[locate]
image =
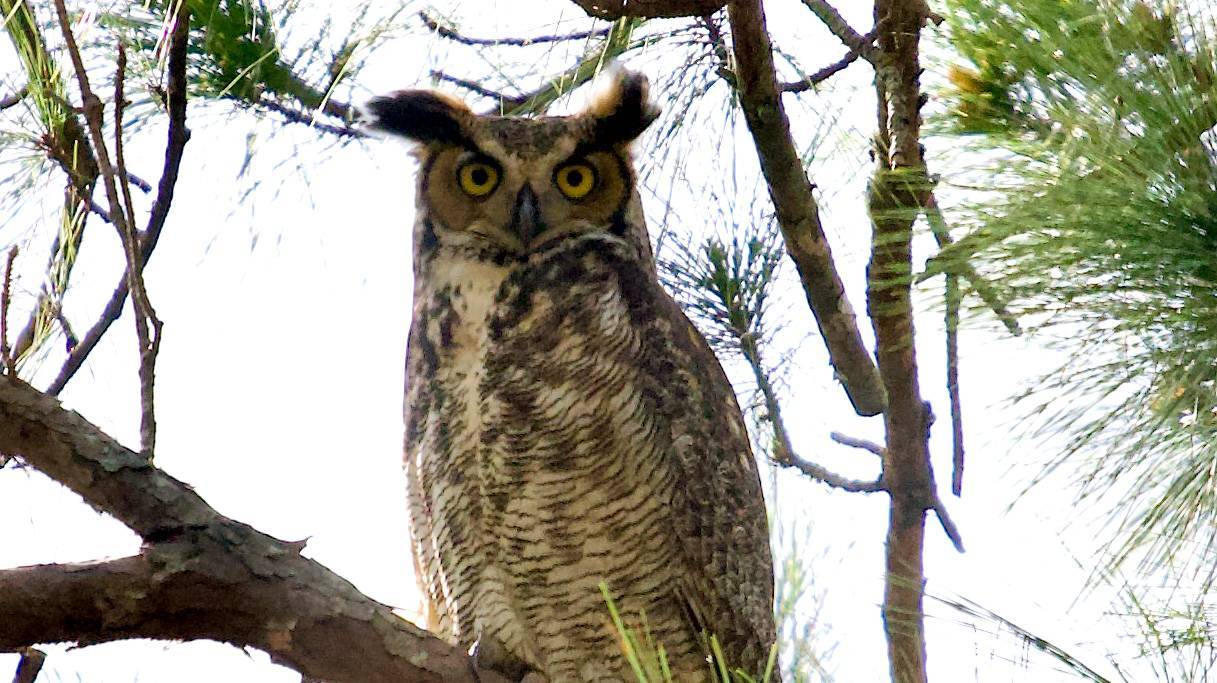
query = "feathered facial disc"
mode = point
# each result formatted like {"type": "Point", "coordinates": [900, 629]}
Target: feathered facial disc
{"type": "Point", "coordinates": [517, 183]}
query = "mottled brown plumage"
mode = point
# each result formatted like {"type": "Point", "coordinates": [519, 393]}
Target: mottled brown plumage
{"type": "Point", "coordinates": [565, 423]}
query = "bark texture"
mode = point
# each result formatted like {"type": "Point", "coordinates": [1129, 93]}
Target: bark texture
{"type": "Point", "coordinates": [797, 211]}
{"type": "Point", "coordinates": [200, 574]}
{"type": "Point", "coordinates": [898, 192]}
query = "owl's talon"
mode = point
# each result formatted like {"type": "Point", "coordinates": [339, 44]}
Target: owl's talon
{"type": "Point", "coordinates": [488, 653]}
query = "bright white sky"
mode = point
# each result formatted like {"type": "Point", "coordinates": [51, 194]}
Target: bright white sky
{"type": "Point", "coordinates": [281, 371]}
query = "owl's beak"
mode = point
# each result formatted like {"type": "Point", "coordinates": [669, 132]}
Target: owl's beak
{"type": "Point", "coordinates": [525, 219]}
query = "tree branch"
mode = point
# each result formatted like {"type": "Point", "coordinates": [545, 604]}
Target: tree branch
{"type": "Point", "coordinates": [648, 9]}
{"type": "Point", "coordinates": [15, 98]}
{"type": "Point", "coordinates": [827, 72]}
{"type": "Point", "coordinates": [66, 143]}
{"type": "Point", "coordinates": [29, 666]}
{"type": "Point", "coordinates": [952, 297]}
{"type": "Point", "coordinates": [898, 191]}
{"type": "Point", "coordinates": [783, 450]}
{"type": "Point", "coordinates": [863, 45]}
{"type": "Point", "coordinates": [175, 146]}
{"type": "Point", "coordinates": [617, 42]}
{"type": "Point", "coordinates": [797, 211]}
{"type": "Point", "coordinates": [452, 34]}
{"type": "Point", "coordinates": [960, 267]}
{"type": "Point", "coordinates": [201, 575]}
{"type": "Point", "coordinates": [6, 357]}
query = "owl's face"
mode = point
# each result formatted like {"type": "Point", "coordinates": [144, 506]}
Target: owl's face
{"type": "Point", "coordinates": [515, 184]}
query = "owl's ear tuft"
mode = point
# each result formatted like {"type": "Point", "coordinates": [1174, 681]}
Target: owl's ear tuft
{"type": "Point", "coordinates": [420, 115]}
{"type": "Point", "coordinates": [622, 111]}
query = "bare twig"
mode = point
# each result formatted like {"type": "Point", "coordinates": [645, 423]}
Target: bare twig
{"type": "Point", "coordinates": [648, 9]}
{"type": "Point", "coordinates": [29, 666]}
{"type": "Point", "coordinates": [455, 36]}
{"type": "Point", "coordinates": [948, 525]}
{"type": "Point", "coordinates": [297, 116]}
{"type": "Point", "coordinates": [783, 450]}
{"type": "Point", "coordinates": [147, 325]}
{"type": "Point", "coordinates": [952, 324]}
{"type": "Point", "coordinates": [827, 72]}
{"type": "Point", "coordinates": [6, 357]}
{"type": "Point", "coordinates": [15, 98]}
{"type": "Point", "coordinates": [138, 182]}
{"type": "Point", "coordinates": [614, 45]}
{"type": "Point", "coordinates": [864, 45]}
{"type": "Point", "coordinates": [175, 146]}
{"type": "Point", "coordinates": [796, 208]}
{"type": "Point", "coordinates": [505, 101]}
{"type": "Point", "coordinates": [861, 444]}
{"type": "Point", "coordinates": [942, 234]}
{"type": "Point", "coordinates": [70, 338]}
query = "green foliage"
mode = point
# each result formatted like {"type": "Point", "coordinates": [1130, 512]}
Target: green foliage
{"type": "Point", "coordinates": [238, 49]}
{"type": "Point", "coordinates": [1102, 222]}
{"type": "Point", "coordinates": [725, 284]}
{"type": "Point", "coordinates": [649, 662]}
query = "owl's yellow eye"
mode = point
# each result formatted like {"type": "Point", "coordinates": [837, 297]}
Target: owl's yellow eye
{"type": "Point", "coordinates": [575, 180]}
{"type": "Point", "coordinates": [478, 178]}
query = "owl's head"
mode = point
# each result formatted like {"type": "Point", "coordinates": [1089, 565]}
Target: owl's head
{"type": "Point", "coordinates": [513, 186]}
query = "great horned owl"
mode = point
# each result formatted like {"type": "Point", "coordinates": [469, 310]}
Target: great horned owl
{"type": "Point", "coordinates": [565, 423]}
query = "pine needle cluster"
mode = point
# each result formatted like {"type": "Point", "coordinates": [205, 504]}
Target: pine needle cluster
{"type": "Point", "coordinates": [1099, 219]}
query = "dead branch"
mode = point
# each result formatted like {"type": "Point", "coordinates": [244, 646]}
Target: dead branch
{"type": "Point", "coordinates": [452, 34]}
{"type": "Point", "coordinates": [948, 525]}
{"type": "Point", "coordinates": [860, 444]}
{"type": "Point", "coordinates": [15, 98]}
{"type": "Point", "coordinates": [797, 211]}
{"type": "Point", "coordinates": [147, 325]}
{"type": "Point", "coordinates": [827, 72]}
{"type": "Point", "coordinates": [783, 450]}
{"type": "Point", "coordinates": [294, 115]}
{"type": "Point", "coordinates": [952, 297]}
{"type": "Point", "coordinates": [504, 100]}
{"type": "Point", "coordinates": [648, 9]}
{"type": "Point", "coordinates": [6, 293]}
{"type": "Point", "coordinates": [942, 234]}
{"type": "Point", "coordinates": [175, 147]}
{"type": "Point", "coordinates": [201, 575]}
{"type": "Point", "coordinates": [863, 45]}
{"type": "Point", "coordinates": [29, 666]}
{"type": "Point", "coordinates": [616, 43]}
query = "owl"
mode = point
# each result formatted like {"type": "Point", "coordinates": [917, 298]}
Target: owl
{"type": "Point", "coordinates": [566, 425]}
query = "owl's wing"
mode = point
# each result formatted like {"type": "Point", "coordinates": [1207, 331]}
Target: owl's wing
{"type": "Point", "coordinates": [719, 511]}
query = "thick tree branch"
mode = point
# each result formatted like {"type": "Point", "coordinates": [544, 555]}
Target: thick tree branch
{"type": "Point", "coordinates": [898, 192]}
{"type": "Point", "coordinates": [648, 9]}
{"type": "Point", "coordinates": [797, 211]}
{"type": "Point", "coordinates": [201, 575]}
